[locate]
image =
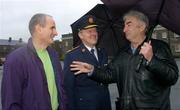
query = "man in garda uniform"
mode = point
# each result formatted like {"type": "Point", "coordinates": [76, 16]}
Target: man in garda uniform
{"type": "Point", "coordinates": [84, 93]}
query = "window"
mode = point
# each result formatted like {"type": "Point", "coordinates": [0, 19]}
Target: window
{"type": "Point", "coordinates": [164, 35]}
{"type": "Point", "coordinates": [154, 35]}
{"type": "Point", "coordinates": [4, 48]}
{"type": "Point", "coordinates": [66, 43]}
{"type": "Point", "coordinates": [177, 48]}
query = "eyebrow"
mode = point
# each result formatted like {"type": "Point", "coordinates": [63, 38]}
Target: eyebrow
{"type": "Point", "coordinates": [128, 22]}
{"type": "Point", "coordinates": [53, 27]}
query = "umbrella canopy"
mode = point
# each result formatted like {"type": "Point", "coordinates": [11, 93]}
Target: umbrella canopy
{"type": "Point", "coordinates": [110, 30]}
{"type": "Point", "coordinates": [163, 12]}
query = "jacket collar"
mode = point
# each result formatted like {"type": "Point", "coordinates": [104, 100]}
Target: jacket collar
{"type": "Point", "coordinates": [32, 48]}
{"type": "Point", "coordinates": [85, 50]}
{"type": "Point", "coordinates": [128, 49]}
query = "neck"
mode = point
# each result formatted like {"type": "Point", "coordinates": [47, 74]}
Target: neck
{"type": "Point", "coordinates": [90, 46]}
{"type": "Point", "coordinates": [137, 41]}
{"type": "Point", "coordinates": [38, 44]}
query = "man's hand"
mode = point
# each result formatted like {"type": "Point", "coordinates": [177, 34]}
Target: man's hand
{"type": "Point", "coordinates": [146, 51]}
{"type": "Point", "coordinates": [81, 67]}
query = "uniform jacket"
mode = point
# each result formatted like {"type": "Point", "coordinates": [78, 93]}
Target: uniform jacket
{"type": "Point", "coordinates": [84, 93]}
{"type": "Point", "coordinates": [24, 84]}
{"type": "Point", "coordinates": [148, 88]}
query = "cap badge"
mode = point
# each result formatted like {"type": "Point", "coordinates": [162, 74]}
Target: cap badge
{"type": "Point", "coordinates": [91, 20]}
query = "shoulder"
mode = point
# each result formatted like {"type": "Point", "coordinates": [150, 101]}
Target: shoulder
{"type": "Point", "coordinates": [17, 55]}
{"type": "Point", "coordinates": [76, 52]}
{"type": "Point", "coordinates": [19, 52]}
{"type": "Point", "coordinates": [73, 50]}
{"type": "Point", "coordinates": [160, 46]}
{"type": "Point", "coordinates": [159, 43]}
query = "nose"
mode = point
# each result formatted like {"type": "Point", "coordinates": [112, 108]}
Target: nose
{"type": "Point", "coordinates": [55, 32]}
{"type": "Point", "coordinates": [125, 29]}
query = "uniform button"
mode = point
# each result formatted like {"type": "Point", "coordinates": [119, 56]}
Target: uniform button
{"type": "Point", "coordinates": [101, 84]}
{"type": "Point", "coordinates": [80, 99]}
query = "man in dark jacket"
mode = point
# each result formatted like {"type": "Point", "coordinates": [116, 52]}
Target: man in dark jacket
{"type": "Point", "coordinates": [32, 76]}
{"type": "Point", "coordinates": [144, 87]}
{"type": "Point", "coordinates": [83, 93]}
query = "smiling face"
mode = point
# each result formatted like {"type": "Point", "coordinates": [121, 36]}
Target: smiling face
{"type": "Point", "coordinates": [47, 32]}
{"type": "Point", "coordinates": [89, 36]}
{"type": "Point", "coordinates": [133, 28]}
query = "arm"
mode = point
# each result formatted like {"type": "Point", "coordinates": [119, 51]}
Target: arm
{"type": "Point", "coordinates": [12, 84]}
{"type": "Point", "coordinates": [106, 74]}
{"type": "Point", "coordinates": [69, 82]}
{"type": "Point", "coordinates": [103, 73]}
{"type": "Point", "coordinates": [162, 64]}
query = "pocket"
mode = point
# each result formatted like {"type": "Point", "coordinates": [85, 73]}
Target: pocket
{"type": "Point", "coordinates": [148, 85]}
{"type": "Point", "coordinates": [85, 98]}
{"type": "Point", "coordinates": [85, 104]}
{"type": "Point", "coordinates": [152, 104]}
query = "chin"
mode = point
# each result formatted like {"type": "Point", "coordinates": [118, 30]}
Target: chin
{"type": "Point", "coordinates": [94, 43]}
{"type": "Point", "coordinates": [51, 41]}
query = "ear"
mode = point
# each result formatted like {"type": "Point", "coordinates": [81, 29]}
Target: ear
{"type": "Point", "coordinates": [80, 34]}
{"type": "Point", "coordinates": [142, 27]}
{"type": "Point", "coordinates": [38, 28]}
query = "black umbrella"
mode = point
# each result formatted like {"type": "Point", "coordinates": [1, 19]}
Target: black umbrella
{"type": "Point", "coordinates": [163, 12]}
{"type": "Point", "coordinates": [110, 30]}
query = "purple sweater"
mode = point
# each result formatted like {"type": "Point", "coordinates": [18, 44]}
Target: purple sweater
{"type": "Point", "coordinates": [24, 84]}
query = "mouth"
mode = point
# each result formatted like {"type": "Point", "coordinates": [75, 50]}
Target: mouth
{"type": "Point", "coordinates": [52, 37]}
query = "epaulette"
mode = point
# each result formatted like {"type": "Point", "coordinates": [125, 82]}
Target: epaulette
{"type": "Point", "coordinates": [72, 49]}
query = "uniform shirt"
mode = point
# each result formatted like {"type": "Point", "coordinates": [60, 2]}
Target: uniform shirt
{"type": "Point", "coordinates": [95, 51]}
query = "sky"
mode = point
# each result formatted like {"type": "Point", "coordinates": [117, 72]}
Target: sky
{"type": "Point", "coordinates": [15, 15]}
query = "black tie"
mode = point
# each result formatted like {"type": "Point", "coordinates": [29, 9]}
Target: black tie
{"type": "Point", "coordinates": [92, 52]}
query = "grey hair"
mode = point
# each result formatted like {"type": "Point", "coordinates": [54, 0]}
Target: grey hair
{"type": "Point", "coordinates": [139, 15]}
{"type": "Point", "coordinates": [37, 19]}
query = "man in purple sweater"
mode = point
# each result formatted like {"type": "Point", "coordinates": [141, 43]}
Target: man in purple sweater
{"type": "Point", "coordinates": [32, 76]}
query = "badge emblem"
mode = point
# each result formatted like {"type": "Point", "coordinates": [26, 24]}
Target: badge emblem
{"type": "Point", "coordinates": [91, 20]}
{"type": "Point", "coordinates": [83, 50]}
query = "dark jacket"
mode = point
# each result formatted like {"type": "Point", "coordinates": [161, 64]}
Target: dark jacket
{"type": "Point", "coordinates": [84, 93]}
{"type": "Point", "coordinates": [24, 84]}
{"type": "Point", "coordinates": [148, 88]}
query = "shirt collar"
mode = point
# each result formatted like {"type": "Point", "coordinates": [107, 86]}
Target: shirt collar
{"type": "Point", "coordinates": [89, 48]}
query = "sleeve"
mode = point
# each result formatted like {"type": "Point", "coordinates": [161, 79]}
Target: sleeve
{"type": "Point", "coordinates": [163, 65]}
{"type": "Point", "coordinates": [105, 56]}
{"type": "Point", "coordinates": [69, 82]}
{"type": "Point", "coordinates": [108, 73]}
{"type": "Point", "coordinates": [12, 82]}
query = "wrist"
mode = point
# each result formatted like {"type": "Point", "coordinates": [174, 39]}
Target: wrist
{"type": "Point", "coordinates": [147, 63]}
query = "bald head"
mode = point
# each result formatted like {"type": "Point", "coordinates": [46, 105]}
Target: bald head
{"type": "Point", "coordinates": [40, 19]}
